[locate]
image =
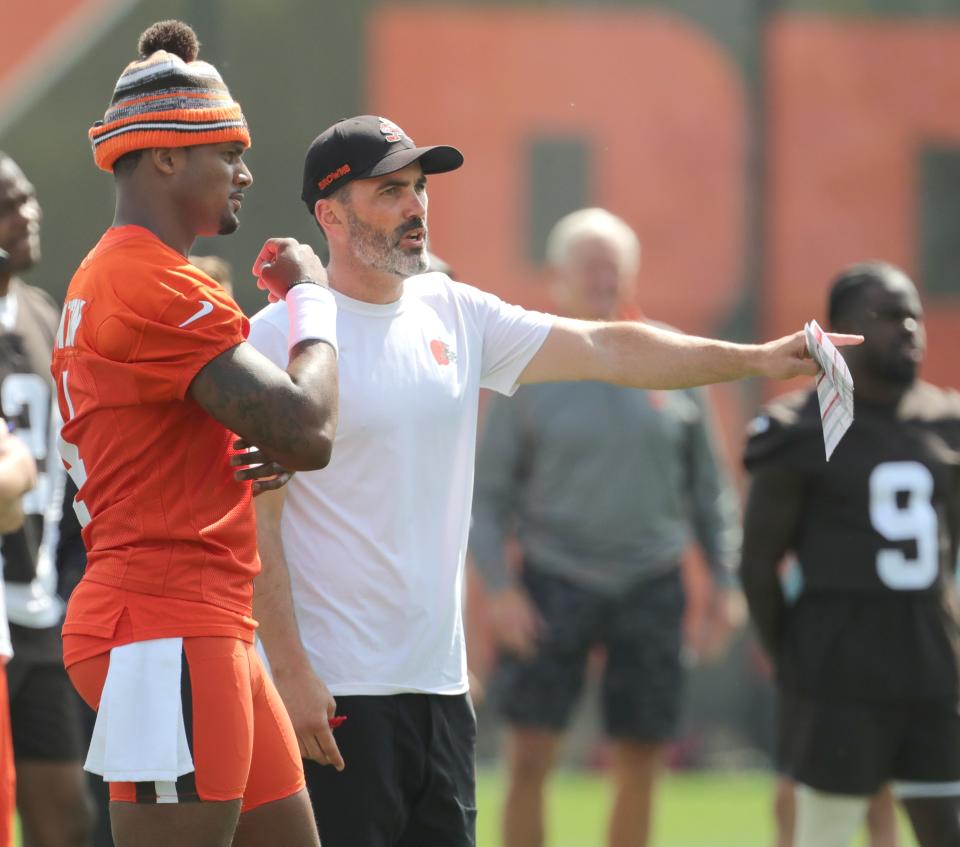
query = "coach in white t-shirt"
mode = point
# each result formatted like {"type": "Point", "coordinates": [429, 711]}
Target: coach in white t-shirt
{"type": "Point", "coordinates": [360, 595]}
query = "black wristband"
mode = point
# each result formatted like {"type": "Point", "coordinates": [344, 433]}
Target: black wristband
{"type": "Point", "coordinates": [303, 281]}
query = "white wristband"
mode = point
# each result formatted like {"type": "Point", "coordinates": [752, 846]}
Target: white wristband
{"type": "Point", "coordinates": [312, 312]}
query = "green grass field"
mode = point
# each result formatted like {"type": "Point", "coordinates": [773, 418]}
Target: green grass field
{"type": "Point", "coordinates": [709, 809]}
{"type": "Point", "coordinates": [705, 809]}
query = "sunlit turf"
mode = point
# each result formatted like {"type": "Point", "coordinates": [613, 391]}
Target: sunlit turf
{"type": "Point", "coordinates": [703, 809]}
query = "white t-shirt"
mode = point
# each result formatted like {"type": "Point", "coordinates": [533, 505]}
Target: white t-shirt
{"type": "Point", "coordinates": [375, 542]}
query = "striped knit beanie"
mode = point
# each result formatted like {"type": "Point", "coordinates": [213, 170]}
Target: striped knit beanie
{"type": "Point", "coordinates": [167, 98]}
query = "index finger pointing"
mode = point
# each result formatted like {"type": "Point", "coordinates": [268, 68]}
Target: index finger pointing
{"type": "Point", "coordinates": [840, 339]}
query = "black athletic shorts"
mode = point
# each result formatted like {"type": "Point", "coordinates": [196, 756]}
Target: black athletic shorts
{"type": "Point", "coordinates": [641, 630]}
{"type": "Point", "coordinates": [847, 747]}
{"type": "Point", "coordinates": [409, 779]}
{"type": "Point", "coordinates": [45, 712]}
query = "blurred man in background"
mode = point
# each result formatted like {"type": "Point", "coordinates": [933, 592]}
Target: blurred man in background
{"type": "Point", "coordinates": [866, 635]}
{"type": "Point", "coordinates": [52, 798]}
{"type": "Point", "coordinates": [603, 486]}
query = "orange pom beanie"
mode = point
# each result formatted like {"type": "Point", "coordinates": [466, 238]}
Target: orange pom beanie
{"type": "Point", "coordinates": [167, 99]}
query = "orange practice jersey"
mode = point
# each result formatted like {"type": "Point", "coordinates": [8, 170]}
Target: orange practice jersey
{"type": "Point", "coordinates": [170, 533]}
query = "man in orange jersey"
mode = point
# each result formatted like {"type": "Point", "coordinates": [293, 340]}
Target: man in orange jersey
{"type": "Point", "coordinates": [18, 474]}
{"type": "Point", "coordinates": [154, 376]}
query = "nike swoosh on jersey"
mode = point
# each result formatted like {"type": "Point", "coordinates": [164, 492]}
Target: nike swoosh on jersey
{"type": "Point", "coordinates": [206, 307]}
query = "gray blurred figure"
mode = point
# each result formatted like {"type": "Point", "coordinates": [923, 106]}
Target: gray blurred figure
{"type": "Point", "coordinates": [603, 487]}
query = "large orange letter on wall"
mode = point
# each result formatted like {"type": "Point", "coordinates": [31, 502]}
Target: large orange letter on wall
{"type": "Point", "coordinates": [657, 103]}
{"type": "Point", "coordinates": [851, 105]}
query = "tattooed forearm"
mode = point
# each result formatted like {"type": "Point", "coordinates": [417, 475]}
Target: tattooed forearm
{"type": "Point", "coordinates": [291, 416]}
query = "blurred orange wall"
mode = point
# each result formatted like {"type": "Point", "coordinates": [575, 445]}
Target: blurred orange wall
{"type": "Point", "coordinates": [658, 103]}
{"type": "Point", "coordinates": [851, 106]}
{"type": "Point", "coordinates": [41, 39]}
{"type": "Point", "coordinates": [662, 110]}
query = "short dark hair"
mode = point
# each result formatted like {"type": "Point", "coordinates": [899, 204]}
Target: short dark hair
{"type": "Point", "coordinates": [345, 195]}
{"type": "Point", "coordinates": [847, 288]}
{"type": "Point", "coordinates": [127, 163]}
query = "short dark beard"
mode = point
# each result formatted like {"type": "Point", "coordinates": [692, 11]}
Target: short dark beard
{"type": "Point", "coordinates": [228, 225]}
{"type": "Point", "coordinates": [380, 251]}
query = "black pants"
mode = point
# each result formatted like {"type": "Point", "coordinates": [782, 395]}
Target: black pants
{"type": "Point", "coordinates": [409, 779]}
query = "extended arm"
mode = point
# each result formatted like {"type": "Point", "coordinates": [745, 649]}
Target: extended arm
{"type": "Point", "coordinates": [309, 703]}
{"type": "Point", "coordinates": [645, 356]}
{"type": "Point", "coordinates": [290, 415]}
{"type": "Point", "coordinates": [771, 521]}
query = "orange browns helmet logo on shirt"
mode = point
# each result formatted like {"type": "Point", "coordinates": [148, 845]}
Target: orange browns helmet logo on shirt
{"type": "Point", "coordinates": [441, 352]}
{"type": "Point", "coordinates": [392, 132]}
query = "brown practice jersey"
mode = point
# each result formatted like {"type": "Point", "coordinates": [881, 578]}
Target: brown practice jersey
{"type": "Point", "coordinates": [873, 608]}
{"type": "Point", "coordinates": [26, 394]}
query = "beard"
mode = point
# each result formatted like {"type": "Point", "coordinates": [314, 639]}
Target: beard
{"type": "Point", "coordinates": [381, 251]}
{"type": "Point", "coordinates": [229, 224]}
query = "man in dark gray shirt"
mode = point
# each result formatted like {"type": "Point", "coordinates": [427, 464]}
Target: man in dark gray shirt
{"type": "Point", "coordinates": [603, 487]}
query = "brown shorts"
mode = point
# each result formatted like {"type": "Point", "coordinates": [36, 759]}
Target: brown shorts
{"type": "Point", "coordinates": [238, 731]}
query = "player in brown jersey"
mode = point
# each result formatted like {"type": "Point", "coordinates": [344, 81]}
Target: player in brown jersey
{"type": "Point", "coordinates": [848, 568]}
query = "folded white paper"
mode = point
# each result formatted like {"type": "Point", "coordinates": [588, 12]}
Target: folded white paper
{"type": "Point", "coordinates": [834, 387]}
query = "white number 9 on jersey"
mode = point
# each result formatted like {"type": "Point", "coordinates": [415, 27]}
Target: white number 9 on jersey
{"type": "Point", "coordinates": [915, 520]}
